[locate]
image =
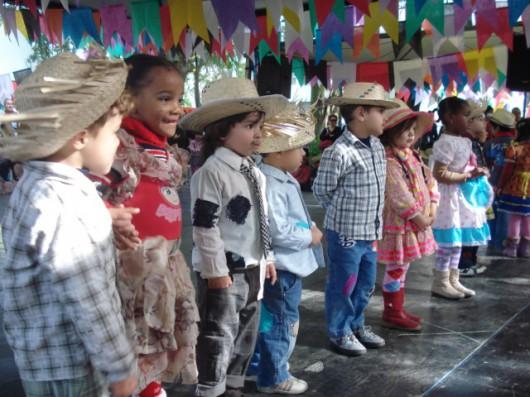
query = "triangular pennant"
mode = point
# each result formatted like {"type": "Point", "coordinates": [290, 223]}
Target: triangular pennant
{"type": "Point", "coordinates": [195, 18]}
{"type": "Point", "coordinates": [322, 9]}
{"type": "Point", "coordinates": [418, 5]}
{"type": "Point", "coordinates": [377, 19]}
{"type": "Point", "coordinates": [316, 72]}
{"type": "Point", "coordinates": [462, 13]}
{"type": "Point", "coordinates": [373, 45]}
{"type": "Point", "coordinates": [338, 9]}
{"type": "Point", "coordinates": [32, 5]}
{"type": "Point", "coordinates": [340, 73]}
{"type": "Point", "coordinates": [274, 12]}
{"type": "Point", "coordinates": [10, 20]}
{"type": "Point", "coordinates": [78, 22]}
{"type": "Point", "coordinates": [516, 9]}
{"type": "Point", "coordinates": [165, 24]}
{"type": "Point", "coordinates": [114, 19]}
{"type": "Point", "coordinates": [485, 10]}
{"type": "Point", "coordinates": [433, 11]}
{"type": "Point", "coordinates": [231, 12]}
{"type": "Point", "coordinates": [54, 21]}
{"type": "Point", "coordinates": [293, 12]}
{"type": "Point", "coordinates": [271, 39]}
{"type": "Point", "coordinates": [145, 17]}
{"type": "Point", "coordinates": [333, 26]}
{"type": "Point", "coordinates": [21, 25]}
{"type": "Point", "coordinates": [32, 24]}
{"type": "Point", "coordinates": [334, 44]}
{"type": "Point", "coordinates": [413, 69]}
{"type": "Point", "coordinates": [298, 69]}
{"type": "Point", "coordinates": [501, 28]}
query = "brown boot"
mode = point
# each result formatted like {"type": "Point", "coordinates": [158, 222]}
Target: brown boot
{"type": "Point", "coordinates": [454, 279]}
{"type": "Point", "coordinates": [393, 315]}
{"type": "Point", "coordinates": [510, 247]}
{"type": "Point", "coordinates": [523, 251]}
{"type": "Point", "coordinates": [442, 288]}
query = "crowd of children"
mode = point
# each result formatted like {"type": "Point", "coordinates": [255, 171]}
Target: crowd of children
{"type": "Point", "coordinates": [97, 294]}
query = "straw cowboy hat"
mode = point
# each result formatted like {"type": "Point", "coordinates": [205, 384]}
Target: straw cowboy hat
{"type": "Point", "coordinates": [395, 116]}
{"type": "Point", "coordinates": [503, 118]}
{"type": "Point", "coordinates": [476, 109]}
{"type": "Point", "coordinates": [370, 94]}
{"type": "Point", "coordinates": [228, 97]}
{"type": "Point", "coordinates": [291, 129]}
{"type": "Point", "coordinates": [62, 97]}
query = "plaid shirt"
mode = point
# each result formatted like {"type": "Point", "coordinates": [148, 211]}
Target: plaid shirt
{"type": "Point", "coordinates": [350, 185]}
{"type": "Point", "coordinates": [62, 311]}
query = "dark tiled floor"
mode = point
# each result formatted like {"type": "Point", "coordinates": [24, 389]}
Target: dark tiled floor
{"type": "Point", "coordinates": [474, 347]}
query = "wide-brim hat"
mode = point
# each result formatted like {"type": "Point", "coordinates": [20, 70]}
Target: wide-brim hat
{"type": "Point", "coordinates": [64, 96]}
{"type": "Point", "coordinates": [228, 97]}
{"type": "Point", "coordinates": [397, 115]}
{"type": "Point", "coordinates": [369, 94]}
{"type": "Point", "coordinates": [291, 129]}
{"type": "Point", "coordinates": [503, 118]}
{"type": "Point", "coordinates": [476, 109]}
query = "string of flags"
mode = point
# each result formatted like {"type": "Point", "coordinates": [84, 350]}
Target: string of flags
{"type": "Point", "coordinates": [223, 27]}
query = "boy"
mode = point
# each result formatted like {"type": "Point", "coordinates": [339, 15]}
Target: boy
{"type": "Point", "coordinates": [62, 311]}
{"type": "Point", "coordinates": [296, 246]}
{"type": "Point", "coordinates": [350, 185]}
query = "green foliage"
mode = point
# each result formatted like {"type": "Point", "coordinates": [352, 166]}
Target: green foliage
{"type": "Point", "coordinates": [43, 49]}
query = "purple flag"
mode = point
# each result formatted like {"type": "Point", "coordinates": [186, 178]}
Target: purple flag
{"type": "Point", "coordinates": [114, 19]}
{"type": "Point", "coordinates": [447, 64]}
{"type": "Point", "coordinates": [230, 12]}
{"type": "Point", "coordinates": [462, 15]}
{"type": "Point", "coordinates": [333, 25]}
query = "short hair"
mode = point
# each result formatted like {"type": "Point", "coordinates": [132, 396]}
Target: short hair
{"type": "Point", "coordinates": [450, 105]}
{"type": "Point", "coordinates": [140, 67]}
{"type": "Point", "coordinates": [391, 134]}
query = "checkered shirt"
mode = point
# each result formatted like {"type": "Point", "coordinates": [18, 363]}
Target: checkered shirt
{"type": "Point", "coordinates": [350, 185]}
{"type": "Point", "coordinates": [62, 311]}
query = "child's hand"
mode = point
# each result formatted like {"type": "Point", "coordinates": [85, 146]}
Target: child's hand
{"type": "Point", "coordinates": [422, 221]}
{"type": "Point", "coordinates": [316, 235]}
{"type": "Point", "coordinates": [220, 282]}
{"type": "Point", "coordinates": [125, 234]}
{"type": "Point", "coordinates": [123, 388]}
{"type": "Point", "coordinates": [479, 171]}
{"type": "Point", "coordinates": [271, 273]}
{"type": "Point", "coordinates": [432, 210]}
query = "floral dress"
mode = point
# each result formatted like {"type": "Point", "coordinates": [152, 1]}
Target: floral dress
{"type": "Point", "coordinates": [410, 190]}
{"type": "Point", "coordinates": [154, 280]}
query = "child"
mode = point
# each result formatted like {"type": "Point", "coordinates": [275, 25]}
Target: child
{"type": "Point", "coordinates": [61, 308]}
{"type": "Point", "coordinates": [478, 134]}
{"type": "Point", "coordinates": [230, 230]}
{"type": "Point", "coordinates": [411, 198]}
{"type": "Point", "coordinates": [195, 149]}
{"type": "Point", "coordinates": [350, 185]}
{"type": "Point", "coordinates": [514, 192]}
{"type": "Point", "coordinates": [296, 246]}
{"type": "Point", "coordinates": [154, 279]}
{"type": "Point", "coordinates": [502, 127]}
{"type": "Point", "coordinates": [461, 216]}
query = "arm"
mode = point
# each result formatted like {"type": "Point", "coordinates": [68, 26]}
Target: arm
{"type": "Point", "coordinates": [285, 231]}
{"type": "Point", "coordinates": [327, 179]}
{"type": "Point", "coordinates": [507, 168]}
{"type": "Point", "coordinates": [399, 196]}
{"type": "Point", "coordinates": [206, 209]}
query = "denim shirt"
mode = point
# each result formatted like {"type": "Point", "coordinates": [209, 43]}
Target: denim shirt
{"type": "Point", "coordinates": [290, 224]}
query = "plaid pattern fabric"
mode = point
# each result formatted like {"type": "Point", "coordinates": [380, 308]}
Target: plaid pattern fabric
{"type": "Point", "coordinates": [264, 230]}
{"type": "Point", "coordinates": [350, 185]}
{"type": "Point", "coordinates": [62, 311]}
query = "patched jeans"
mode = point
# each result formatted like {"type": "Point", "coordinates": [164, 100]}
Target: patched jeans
{"type": "Point", "coordinates": [352, 269]}
{"type": "Point", "coordinates": [228, 332]}
{"type": "Point", "coordinates": [278, 328]}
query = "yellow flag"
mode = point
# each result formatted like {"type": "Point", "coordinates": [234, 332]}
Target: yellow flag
{"type": "Point", "coordinates": [377, 19]}
{"type": "Point", "coordinates": [187, 13]}
{"type": "Point", "coordinates": [292, 17]}
{"type": "Point", "coordinates": [21, 26]}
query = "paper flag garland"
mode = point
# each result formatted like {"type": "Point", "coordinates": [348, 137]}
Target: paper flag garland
{"type": "Point", "coordinates": [501, 28]}
{"type": "Point", "coordinates": [433, 11]}
{"type": "Point", "coordinates": [77, 23]}
{"type": "Point", "coordinates": [377, 19]}
{"type": "Point", "coordinates": [231, 12]}
{"type": "Point", "coordinates": [339, 73]}
{"type": "Point", "coordinates": [114, 19]}
{"type": "Point", "coordinates": [374, 72]}
{"type": "Point", "coordinates": [413, 69]}
{"type": "Point", "coordinates": [10, 21]}
{"type": "Point", "coordinates": [516, 9]}
{"type": "Point", "coordinates": [145, 17]}
{"type": "Point", "coordinates": [187, 13]}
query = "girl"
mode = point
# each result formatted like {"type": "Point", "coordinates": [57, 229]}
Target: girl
{"type": "Point", "coordinates": [514, 192]}
{"type": "Point", "coordinates": [411, 198]}
{"type": "Point", "coordinates": [230, 230]}
{"type": "Point", "coordinates": [461, 217]}
{"type": "Point", "coordinates": [154, 280]}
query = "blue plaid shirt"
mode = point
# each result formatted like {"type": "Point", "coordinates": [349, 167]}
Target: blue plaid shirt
{"type": "Point", "coordinates": [62, 311]}
{"type": "Point", "coordinates": [350, 185]}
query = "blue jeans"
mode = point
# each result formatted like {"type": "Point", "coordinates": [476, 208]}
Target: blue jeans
{"type": "Point", "coordinates": [279, 328]}
{"type": "Point", "coordinates": [352, 270]}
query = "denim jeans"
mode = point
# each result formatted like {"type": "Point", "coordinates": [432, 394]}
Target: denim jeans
{"type": "Point", "coordinates": [228, 332]}
{"type": "Point", "coordinates": [279, 328]}
{"type": "Point", "coordinates": [352, 270]}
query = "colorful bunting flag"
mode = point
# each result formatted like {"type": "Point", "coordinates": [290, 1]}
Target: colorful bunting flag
{"type": "Point", "coordinates": [462, 13]}
{"type": "Point", "coordinates": [53, 21]}
{"type": "Point", "coordinates": [231, 12]}
{"type": "Point", "coordinates": [45, 3]}
{"type": "Point", "coordinates": [298, 69]}
{"type": "Point", "coordinates": [114, 20]}
{"type": "Point", "coordinates": [21, 26]}
{"type": "Point", "coordinates": [334, 44]}
{"type": "Point", "coordinates": [10, 20]}
{"type": "Point", "coordinates": [374, 72]}
{"type": "Point", "coordinates": [77, 23]}
{"type": "Point", "coordinates": [333, 25]}
{"type": "Point", "coordinates": [272, 41]}
{"type": "Point", "coordinates": [377, 19]}
{"type": "Point", "coordinates": [339, 73]}
{"type": "Point", "coordinates": [413, 69]}
{"type": "Point", "coordinates": [145, 17]}
{"type": "Point", "coordinates": [322, 9]}
{"type": "Point", "coordinates": [32, 5]}
{"type": "Point", "coordinates": [516, 9]}
{"type": "Point", "coordinates": [188, 13]}
{"type": "Point", "coordinates": [433, 10]}
{"type": "Point", "coordinates": [501, 28]}
{"type": "Point", "coordinates": [361, 5]}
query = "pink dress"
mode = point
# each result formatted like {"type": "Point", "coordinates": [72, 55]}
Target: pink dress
{"type": "Point", "coordinates": [410, 190]}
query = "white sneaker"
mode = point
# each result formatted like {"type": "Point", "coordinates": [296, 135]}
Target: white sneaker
{"type": "Point", "coordinates": [290, 386]}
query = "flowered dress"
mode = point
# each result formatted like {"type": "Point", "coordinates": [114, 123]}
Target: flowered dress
{"type": "Point", "coordinates": [410, 190]}
{"type": "Point", "coordinates": [460, 219]}
{"type": "Point", "coordinates": [154, 280]}
{"type": "Point", "coordinates": [515, 185]}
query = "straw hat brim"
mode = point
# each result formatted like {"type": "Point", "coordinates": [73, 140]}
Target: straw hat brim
{"type": "Point", "coordinates": [340, 101]}
{"type": "Point", "coordinates": [424, 121]}
{"type": "Point", "coordinates": [219, 109]}
{"type": "Point", "coordinates": [282, 144]}
{"type": "Point", "coordinates": [502, 123]}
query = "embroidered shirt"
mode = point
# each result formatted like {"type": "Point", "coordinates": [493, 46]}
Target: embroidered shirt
{"type": "Point", "coordinates": [290, 224]}
{"type": "Point", "coordinates": [62, 311]}
{"type": "Point", "coordinates": [350, 185]}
